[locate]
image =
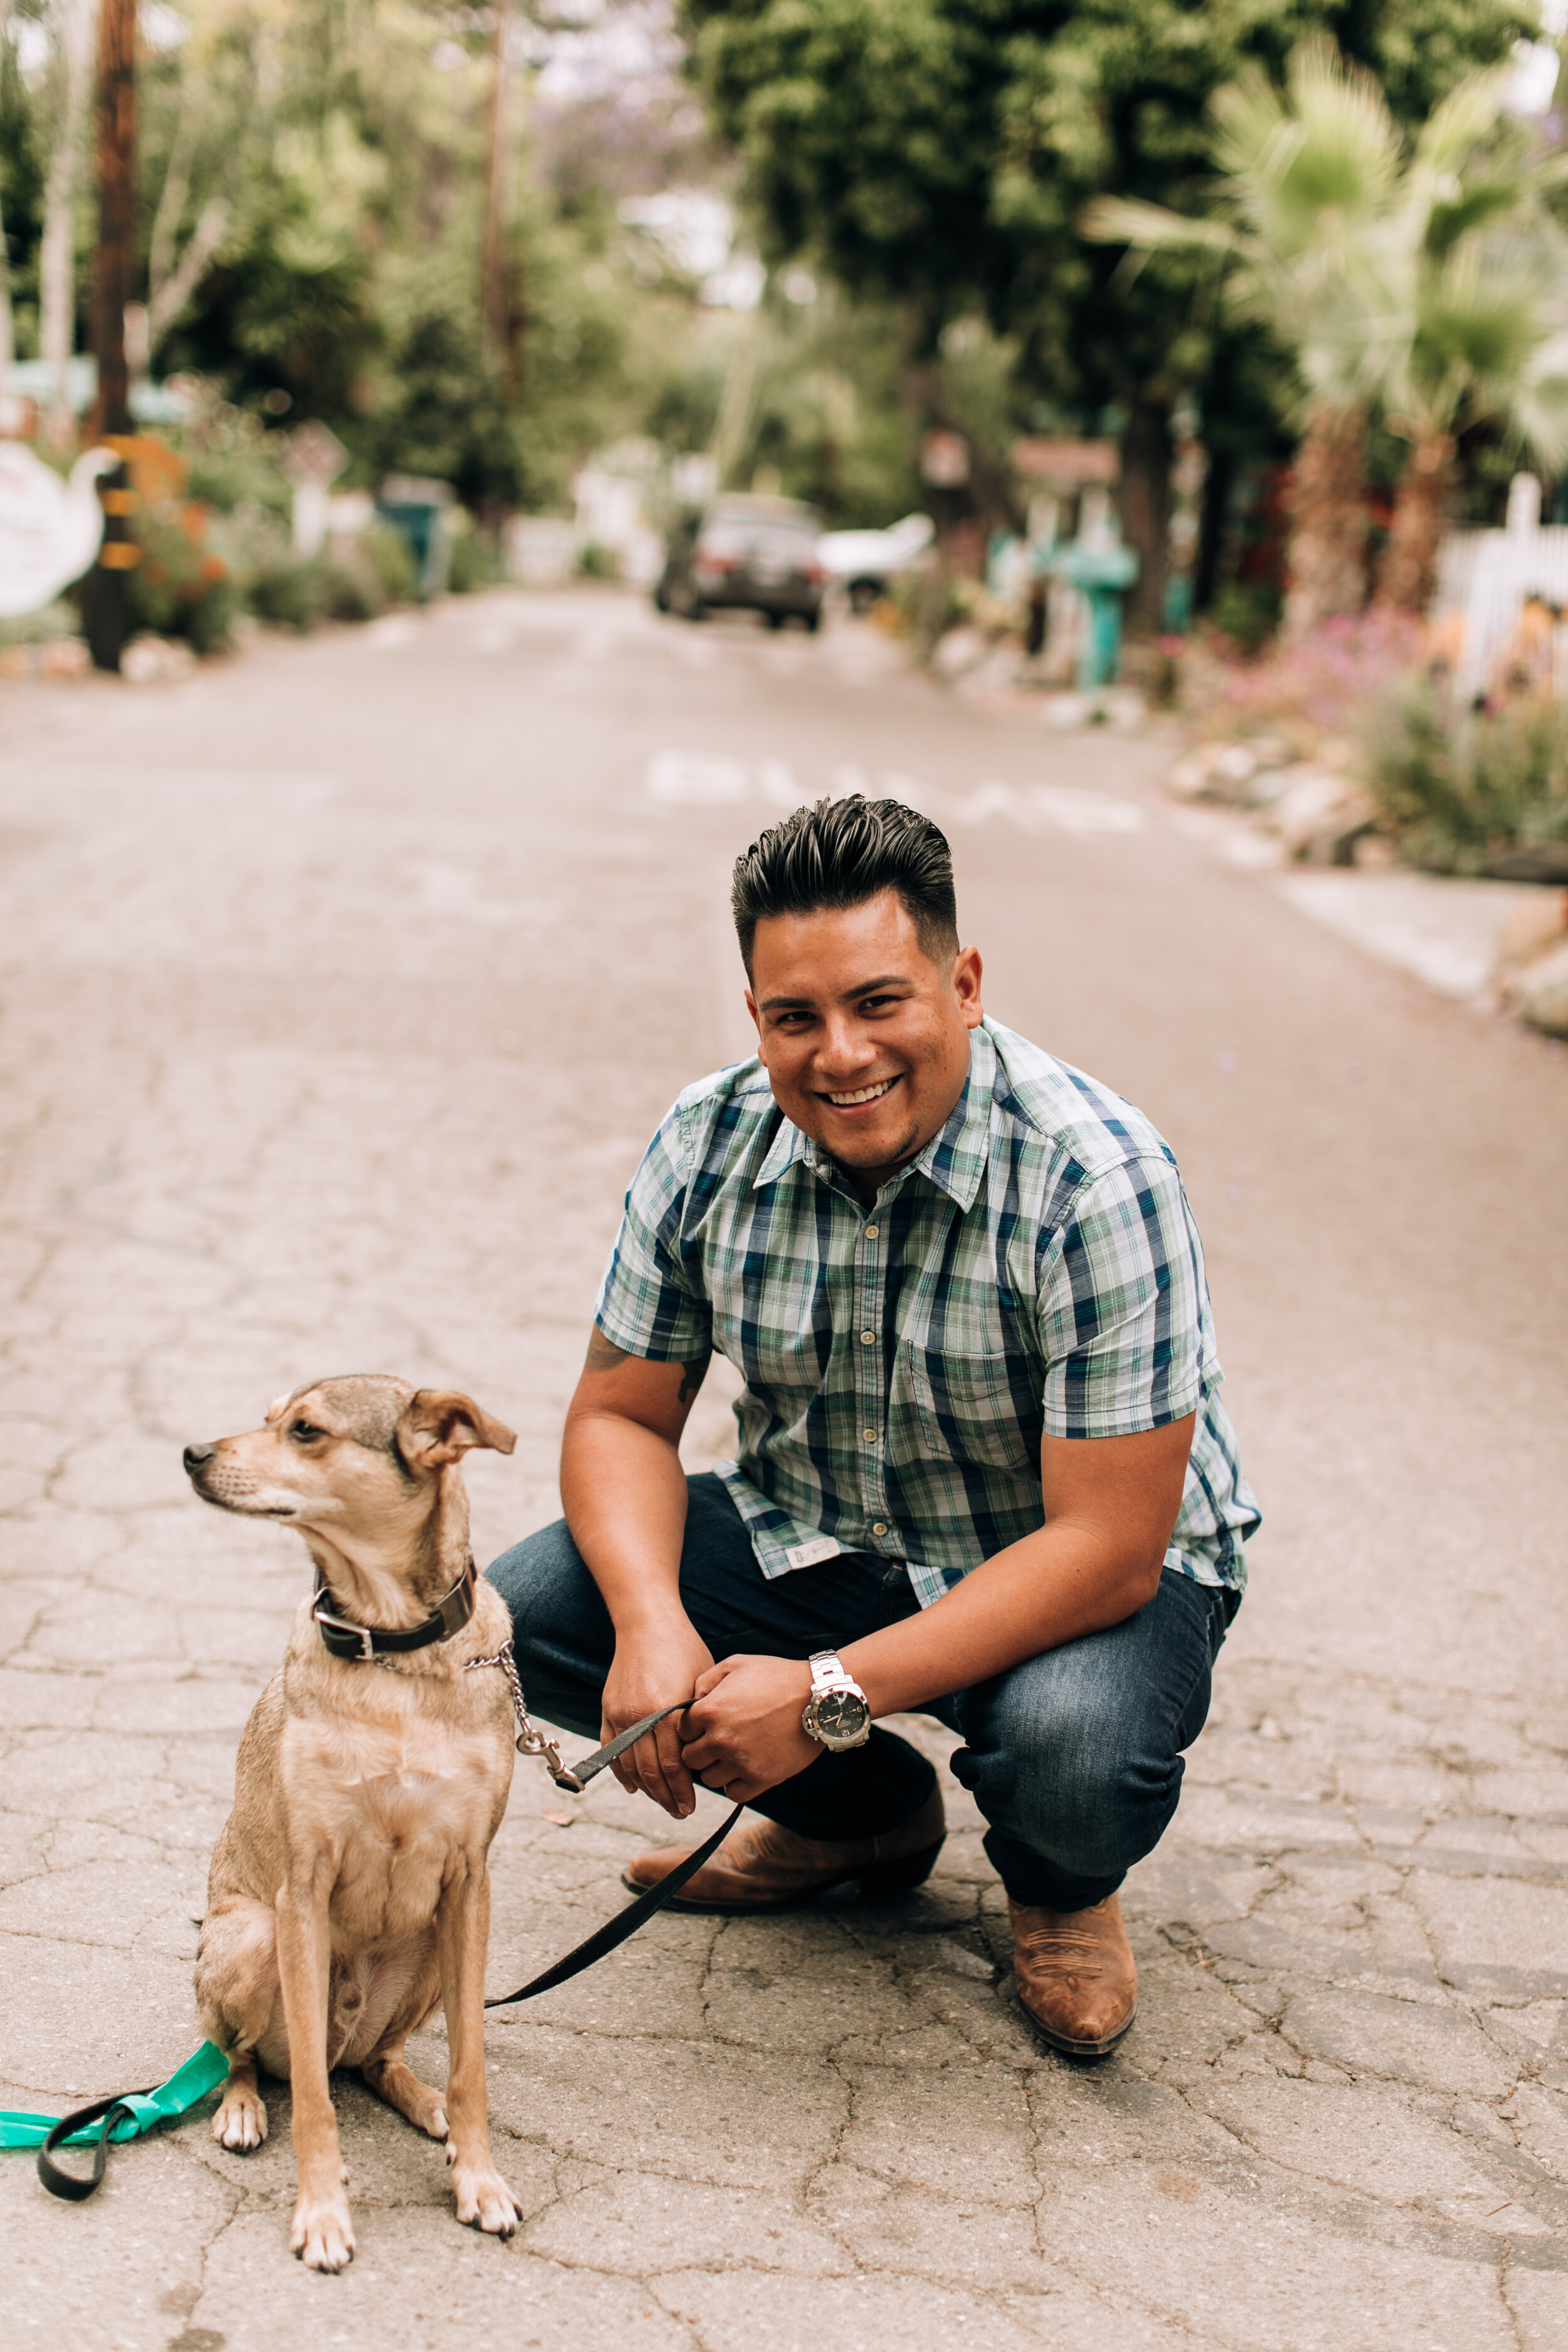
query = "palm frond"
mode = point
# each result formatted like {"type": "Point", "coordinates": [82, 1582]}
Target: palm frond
{"type": "Point", "coordinates": [1124, 220]}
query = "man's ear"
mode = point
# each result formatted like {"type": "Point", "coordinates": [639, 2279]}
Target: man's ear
{"type": "Point", "coordinates": [439, 1425]}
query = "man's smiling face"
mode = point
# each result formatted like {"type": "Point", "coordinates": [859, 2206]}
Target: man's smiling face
{"type": "Point", "coordinates": [864, 1038]}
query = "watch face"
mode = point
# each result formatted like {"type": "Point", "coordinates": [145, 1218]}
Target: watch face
{"type": "Point", "coordinates": [841, 1715]}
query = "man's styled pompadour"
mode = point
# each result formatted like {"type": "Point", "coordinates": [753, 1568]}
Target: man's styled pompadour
{"type": "Point", "coordinates": [841, 852]}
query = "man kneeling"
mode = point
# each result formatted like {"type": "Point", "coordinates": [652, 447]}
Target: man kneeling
{"type": "Point", "coordinates": [983, 1471]}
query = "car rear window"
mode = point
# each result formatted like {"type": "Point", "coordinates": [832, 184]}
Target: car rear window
{"type": "Point", "coordinates": [791, 541]}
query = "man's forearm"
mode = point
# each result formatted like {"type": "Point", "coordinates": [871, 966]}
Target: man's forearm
{"type": "Point", "coordinates": [1048, 1589]}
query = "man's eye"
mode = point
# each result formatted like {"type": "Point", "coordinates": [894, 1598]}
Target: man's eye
{"type": "Point", "coordinates": [304, 1431]}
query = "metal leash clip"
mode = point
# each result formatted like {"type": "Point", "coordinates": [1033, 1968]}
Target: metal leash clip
{"type": "Point", "coordinates": [531, 1740]}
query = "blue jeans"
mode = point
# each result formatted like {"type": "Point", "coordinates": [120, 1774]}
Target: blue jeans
{"type": "Point", "coordinates": [1074, 1757]}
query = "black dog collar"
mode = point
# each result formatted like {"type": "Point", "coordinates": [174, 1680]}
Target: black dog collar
{"type": "Point", "coordinates": [344, 1639]}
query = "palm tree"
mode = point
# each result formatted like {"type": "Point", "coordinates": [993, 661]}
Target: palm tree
{"type": "Point", "coordinates": [1435, 285]}
{"type": "Point", "coordinates": [1473, 274]}
{"type": "Point", "coordinates": [1310, 174]}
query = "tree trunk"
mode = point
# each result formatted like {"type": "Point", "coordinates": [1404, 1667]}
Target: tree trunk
{"type": "Point", "coordinates": [114, 279]}
{"type": "Point", "coordinates": [1408, 574]}
{"type": "Point", "coordinates": [57, 258]}
{"type": "Point", "coordinates": [495, 291]}
{"type": "Point", "coordinates": [1328, 520]}
{"type": "Point", "coordinates": [1214, 515]}
{"type": "Point", "coordinates": [8, 334]}
{"type": "Point", "coordinates": [1143, 503]}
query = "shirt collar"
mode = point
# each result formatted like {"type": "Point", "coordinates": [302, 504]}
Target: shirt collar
{"type": "Point", "coordinates": [954, 1159]}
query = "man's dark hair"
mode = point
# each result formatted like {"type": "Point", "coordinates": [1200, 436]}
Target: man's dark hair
{"type": "Point", "coordinates": [841, 852]}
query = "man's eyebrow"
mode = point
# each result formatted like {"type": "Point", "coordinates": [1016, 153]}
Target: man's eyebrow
{"type": "Point", "coordinates": [861, 988]}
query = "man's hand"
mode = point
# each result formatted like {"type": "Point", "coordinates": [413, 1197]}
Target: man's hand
{"type": "Point", "coordinates": [742, 1732]}
{"type": "Point", "coordinates": [653, 1667]}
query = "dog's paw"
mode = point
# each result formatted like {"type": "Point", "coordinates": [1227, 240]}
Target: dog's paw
{"type": "Point", "coordinates": [323, 2235]}
{"type": "Point", "coordinates": [241, 2121]}
{"type": "Point", "coordinates": [484, 2201]}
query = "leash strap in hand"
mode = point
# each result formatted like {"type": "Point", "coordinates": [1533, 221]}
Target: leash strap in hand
{"type": "Point", "coordinates": [625, 1923]}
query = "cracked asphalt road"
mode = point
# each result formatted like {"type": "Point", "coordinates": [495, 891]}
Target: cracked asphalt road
{"type": "Point", "coordinates": [341, 989]}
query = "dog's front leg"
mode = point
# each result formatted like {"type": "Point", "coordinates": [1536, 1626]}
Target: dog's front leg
{"type": "Point", "coordinates": [462, 1934]}
{"type": "Point", "coordinates": [323, 2235]}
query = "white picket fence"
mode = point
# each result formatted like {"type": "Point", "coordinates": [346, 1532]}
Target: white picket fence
{"type": "Point", "coordinates": [1490, 575]}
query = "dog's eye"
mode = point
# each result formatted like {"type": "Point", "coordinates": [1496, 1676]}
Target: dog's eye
{"type": "Point", "coordinates": [302, 1432]}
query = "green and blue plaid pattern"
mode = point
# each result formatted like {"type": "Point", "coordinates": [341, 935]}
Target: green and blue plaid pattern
{"type": "Point", "coordinates": [1035, 1269]}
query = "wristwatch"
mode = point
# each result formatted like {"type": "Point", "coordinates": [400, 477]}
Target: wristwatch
{"type": "Point", "coordinates": [838, 1713]}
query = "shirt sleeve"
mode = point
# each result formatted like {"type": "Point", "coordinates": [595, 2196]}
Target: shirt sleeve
{"type": "Point", "coordinates": [1124, 1307]}
{"type": "Point", "coordinates": [645, 1303]}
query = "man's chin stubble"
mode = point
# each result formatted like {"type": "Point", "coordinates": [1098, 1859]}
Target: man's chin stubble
{"type": "Point", "coordinates": [880, 1158]}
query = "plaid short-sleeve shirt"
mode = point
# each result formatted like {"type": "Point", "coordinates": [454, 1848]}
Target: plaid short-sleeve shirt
{"type": "Point", "coordinates": [1035, 1269]}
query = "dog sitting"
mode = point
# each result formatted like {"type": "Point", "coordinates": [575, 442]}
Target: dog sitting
{"type": "Point", "coordinates": [349, 1888]}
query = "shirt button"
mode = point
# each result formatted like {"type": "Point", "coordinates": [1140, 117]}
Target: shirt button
{"type": "Point", "coordinates": [867, 1338]}
{"type": "Point", "coordinates": [871, 1232]}
{"type": "Point", "coordinates": [879, 1528]}
{"type": "Point", "coordinates": [869, 1436]}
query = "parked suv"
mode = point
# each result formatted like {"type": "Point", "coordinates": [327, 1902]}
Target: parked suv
{"type": "Point", "coordinates": [755, 555]}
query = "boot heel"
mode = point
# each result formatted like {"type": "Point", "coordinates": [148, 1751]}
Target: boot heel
{"type": "Point", "coordinates": [883, 1878]}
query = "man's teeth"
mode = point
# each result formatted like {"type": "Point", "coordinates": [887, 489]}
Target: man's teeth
{"type": "Point", "coordinates": [866, 1094]}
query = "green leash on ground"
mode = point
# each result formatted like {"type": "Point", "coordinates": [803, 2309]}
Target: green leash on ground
{"type": "Point", "coordinates": [124, 2116]}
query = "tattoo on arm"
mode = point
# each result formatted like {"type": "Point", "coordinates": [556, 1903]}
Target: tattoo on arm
{"type": "Point", "coordinates": [602, 1355]}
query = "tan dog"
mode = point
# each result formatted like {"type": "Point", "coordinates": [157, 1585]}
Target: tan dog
{"type": "Point", "coordinates": [350, 1889]}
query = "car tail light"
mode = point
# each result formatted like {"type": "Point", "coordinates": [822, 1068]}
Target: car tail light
{"type": "Point", "coordinates": [818, 574]}
{"type": "Point", "coordinates": [713, 567]}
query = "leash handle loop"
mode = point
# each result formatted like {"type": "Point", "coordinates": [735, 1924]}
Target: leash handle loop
{"type": "Point", "coordinates": [72, 2185]}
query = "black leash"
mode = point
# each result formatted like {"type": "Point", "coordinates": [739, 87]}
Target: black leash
{"type": "Point", "coordinates": [71, 2185]}
{"type": "Point", "coordinates": [625, 1923]}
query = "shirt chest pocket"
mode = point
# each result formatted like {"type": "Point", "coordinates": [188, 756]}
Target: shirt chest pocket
{"type": "Point", "coordinates": [979, 1409]}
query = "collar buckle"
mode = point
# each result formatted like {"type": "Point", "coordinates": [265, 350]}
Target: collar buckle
{"type": "Point", "coordinates": [360, 1633]}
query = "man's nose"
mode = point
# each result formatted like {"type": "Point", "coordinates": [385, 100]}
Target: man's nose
{"type": "Point", "coordinates": [846, 1047]}
{"type": "Point", "coordinates": [198, 1456]}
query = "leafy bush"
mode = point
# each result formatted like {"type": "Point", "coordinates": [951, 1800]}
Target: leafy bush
{"type": "Point", "coordinates": [474, 563]}
{"type": "Point", "coordinates": [59, 619]}
{"type": "Point", "coordinates": [184, 585]}
{"type": "Point", "coordinates": [350, 592]}
{"type": "Point", "coordinates": [290, 593]}
{"type": "Point", "coordinates": [1248, 613]}
{"type": "Point", "coordinates": [390, 559]}
{"type": "Point", "coordinates": [1474, 792]}
{"type": "Point", "coordinates": [1320, 685]}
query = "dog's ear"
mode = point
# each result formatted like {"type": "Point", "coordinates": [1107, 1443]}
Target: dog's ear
{"type": "Point", "coordinates": [437, 1425]}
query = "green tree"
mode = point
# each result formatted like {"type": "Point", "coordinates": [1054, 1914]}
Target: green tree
{"type": "Point", "coordinates": [1432, 281]}
{"type": "Point", "coordinates": [941, 153]}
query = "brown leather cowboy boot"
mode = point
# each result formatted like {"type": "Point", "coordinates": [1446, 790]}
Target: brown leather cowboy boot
{"type": "Point", "coordinates": [1075, 1975]}
{"type": "Point", "coordinates": [763, 1867]}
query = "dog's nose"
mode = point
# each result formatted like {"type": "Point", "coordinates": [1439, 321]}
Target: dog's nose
{"type": "Point", "coordinates": [198, 1456]}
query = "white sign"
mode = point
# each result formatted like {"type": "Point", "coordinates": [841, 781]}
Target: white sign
{"type": "Point", "coordinates": [50, 529]}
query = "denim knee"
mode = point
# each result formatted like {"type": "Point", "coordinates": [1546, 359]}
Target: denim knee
{"type": "Point", "coordinates": [561, 1630]}
{"type": "Point", "coordinates": [1064, 1779]}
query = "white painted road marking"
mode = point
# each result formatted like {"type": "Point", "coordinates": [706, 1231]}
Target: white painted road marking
{"type": "Point", "coordinates": [710, 780]}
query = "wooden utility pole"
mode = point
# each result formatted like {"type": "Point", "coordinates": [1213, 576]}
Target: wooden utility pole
{"type": "Point", "coordinates": [114, 283]}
